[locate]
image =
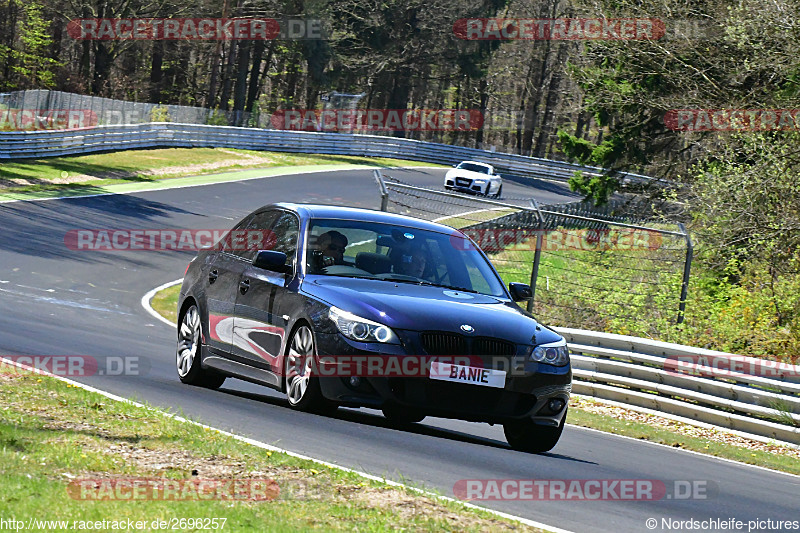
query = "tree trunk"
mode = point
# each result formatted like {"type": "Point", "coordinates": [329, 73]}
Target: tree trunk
{"type": "Point", "coordinates": [156, 73]}
{"type": "Point", "coordinates": [216, 60]}
{"type": "Point", "coordinates": [240, 91]}
{"type": "Point", "coordinates": [255, 75]}
{"type": "Point", "coordinates": [553, 99]}
{"type": "Point", "coordinates": [102, 67]}
{"type": "Point", "coordinates": [398, 98]}
{"type": "Point", "coordinates": [484, 96]}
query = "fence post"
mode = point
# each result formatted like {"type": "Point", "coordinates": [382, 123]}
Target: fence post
{"type": "Point", "coordinates": [384, 192]}
{"type": "Point", "coordinates": [537, 254]}
{"type": "Point", "coordinates": [687, 267]}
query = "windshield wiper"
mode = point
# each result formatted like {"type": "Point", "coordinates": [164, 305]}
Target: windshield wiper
{"type": "Point", "coordinates": [430, 284]}
{"type": "Point", "coordinates": [462, 289]}
{"type": "Point", "coordinates": [407, 280]}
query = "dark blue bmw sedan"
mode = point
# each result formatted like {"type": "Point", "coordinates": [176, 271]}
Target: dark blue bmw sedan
{"type": "Point", "coordinates": [351, 307]}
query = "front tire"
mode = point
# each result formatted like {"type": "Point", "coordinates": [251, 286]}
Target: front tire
{"type": "Point", "coordinates": [302, 387]}
{"type": "Point", "coordinates": [526, 436]}
{"type": "Point", "coordinates": [188, 353]}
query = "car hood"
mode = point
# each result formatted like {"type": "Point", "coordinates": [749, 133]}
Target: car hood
{"type": "Point", "coordinates": [406, 306]}
{"type": "Point", "coordinates": [469, 174]}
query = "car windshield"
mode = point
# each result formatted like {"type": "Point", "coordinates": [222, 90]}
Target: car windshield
{"type": "Point", "coordinates": [474, 167]}
{"type": "Point", "coordinates": [373, 250]}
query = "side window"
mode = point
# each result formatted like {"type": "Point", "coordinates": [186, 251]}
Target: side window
{"type": "Point", "coordinates": [227, 244]}
{"type": "Point", "coordinates": [285, 231]}
{"type": "Point", "coordinates": [245, 241]}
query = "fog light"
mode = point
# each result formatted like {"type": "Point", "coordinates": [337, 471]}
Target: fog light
{"type": "Point", "coordinates": [555, 405]}
{"type": "Point", "coordinates": [355, 381]}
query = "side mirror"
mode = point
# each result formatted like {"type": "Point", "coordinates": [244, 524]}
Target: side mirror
{"type": "Point", "coordinates": [520, 291]}
{"type": "Point", "coordinates": [271, 260]}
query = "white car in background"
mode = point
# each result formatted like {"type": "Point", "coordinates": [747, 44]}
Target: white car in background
{"type": "Point", "coordinates": [474, 177]}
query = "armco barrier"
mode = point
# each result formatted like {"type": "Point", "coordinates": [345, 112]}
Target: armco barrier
{"type": "Point", "coordinates": [49, 143]}
{"type": "Point", "coordinates": [727, 390]}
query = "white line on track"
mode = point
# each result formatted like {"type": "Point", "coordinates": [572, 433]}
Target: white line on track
{"type": "Point", "coordinates": [272, 448]}
{"type": "Point", "coordinates": [149, 296]}
{"type": "Point", "coordinates": [167, 186]}
{"type": "Point", "coordinates": [471, 213]}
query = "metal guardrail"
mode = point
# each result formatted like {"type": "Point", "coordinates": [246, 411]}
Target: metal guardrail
{"type": "Point", "coordinates": [743, 393]}
{"type": "Point", "coordinates": [49, 143]}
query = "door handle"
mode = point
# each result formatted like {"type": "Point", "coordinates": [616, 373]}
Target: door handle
{"type": "Point", "coordinates": [212, 276]}
{"type": "Point", "coordinates": [244, 286]}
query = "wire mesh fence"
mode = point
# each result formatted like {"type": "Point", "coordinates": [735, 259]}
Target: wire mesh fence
{"type": "Point", "coordinates": [588, 269]}
{"type": "Point", "coordinates": [41, 109]}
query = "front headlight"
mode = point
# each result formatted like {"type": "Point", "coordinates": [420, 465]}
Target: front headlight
{"type": "Point", "coordinates": [360, 329]}
{"type": "Point", "coordinates": [479, 182]}
{"type": "Point", "coordinates": [554, 353]}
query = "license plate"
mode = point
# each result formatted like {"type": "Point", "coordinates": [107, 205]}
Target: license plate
{"type": "Point", "coordinates": [462, 182]}
{"type": "Point", "coordinates": [485, 377]}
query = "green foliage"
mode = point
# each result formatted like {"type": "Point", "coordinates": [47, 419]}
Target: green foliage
{"type": "Point", "coordinates": [217, 118]}
{"type": "Point", "coordinates": [576, 148]}
{"type": "Point", "coordinates": [28, 56]}
{"type": "Point", "coordinates": [159, 114]}
{"type": "Point", "coordinates": [597, 188]}
{"type": "Point", "coordinates": [747, 200]}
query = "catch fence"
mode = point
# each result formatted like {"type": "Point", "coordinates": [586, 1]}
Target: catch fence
{"type": "Point", "coordinates": [586, 269]}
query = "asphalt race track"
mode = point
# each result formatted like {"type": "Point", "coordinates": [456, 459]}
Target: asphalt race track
{"type": "Point", "coordinates": [59, 301]}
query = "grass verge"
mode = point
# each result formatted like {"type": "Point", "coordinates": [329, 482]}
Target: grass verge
{"type": "Point", "coordinates": [93, 170]}
{"type": "Point", "coordinates": [587, 413]}
{"type": "Point", "coordinates": [55, 437]}
{"type": "Point", "coordinates": [165, 302]}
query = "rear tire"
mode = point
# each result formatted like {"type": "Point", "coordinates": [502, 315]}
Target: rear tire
{"type": "Point", "coordinates": [499, 191]}
{"type": "Point", "coordinates": [526, 436]}
{"type": "Point", "coordinates": [188, 353]}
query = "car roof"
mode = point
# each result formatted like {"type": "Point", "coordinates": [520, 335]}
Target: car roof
{"type": "Point", "coordinates": [477, 163]}
{"type": "Point", "coordinates": [309, 211]}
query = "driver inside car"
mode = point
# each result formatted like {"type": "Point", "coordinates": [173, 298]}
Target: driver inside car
{"type": "Point", "coordinates": [332, 245]}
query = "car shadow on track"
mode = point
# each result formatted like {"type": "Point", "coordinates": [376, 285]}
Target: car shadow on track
{"type": "Point", "coordinates": [369, 419]}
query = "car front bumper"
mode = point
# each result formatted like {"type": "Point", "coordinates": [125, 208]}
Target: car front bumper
{"type": "Point", "coordinates": [471, 189]}
{"type": "Point", "coordinates": [528, 388]}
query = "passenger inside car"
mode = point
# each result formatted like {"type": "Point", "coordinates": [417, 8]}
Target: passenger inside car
{"type": "Point", "coordinates": [410, 262]}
